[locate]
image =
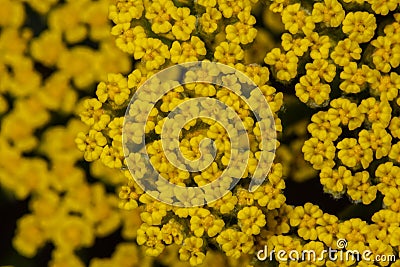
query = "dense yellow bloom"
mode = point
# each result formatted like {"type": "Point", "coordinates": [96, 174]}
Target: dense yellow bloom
{"type": "Point", "coordinates": [325, 41]}
{"type": "Point", "coordinates": [311, 90]}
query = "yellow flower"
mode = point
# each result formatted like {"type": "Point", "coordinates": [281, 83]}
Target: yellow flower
{"type": "Point", "coordinates": [191, 251]}
{"type": "Point", "coordinates": [235, 243]}
{"type": "Point", "coordinates": [322, 128]}
{"type": "Point", "coordinates": [209, 224]}
{"type": "Point", "coordinates": [305, 218]}
{"type": "Point", "coordinates": [385, 86]}
{"type": "Point", "coordinates": [209, 20]}
{"type": "Point", "coordinates": [47, 47]}
{"type": "Point", "coordinates": [395, 152]}
{"type": "Point", "coordinates": [377, 112]}
{"type": "Point", "coordinates": [319, 153]}
{"type": "Point", "coordinates": [354, 231]}
{"type": "Point", "coordinates": [346, 112]}
{"type": "Point", "coordinates": [112, 156]}
{"type": "Point", "coordinates": [334, 180]}
{"type": "Point", "coordinates": [321, 68]}
{"type": "Point", "coordinates": [29, 235]}
{"type": "Point", "coordinates": [93, 114]}
{"type": "Point", "coordinates": [377, 139]}
{"type": "Point", "coordinates": [186, 52]}
{"type": "Point", "coordinates": [92, 144]}
{"type": "Point", "coordinates": [383, 7]}
{"type": "Point", "coordinates": [392, 201]}
{"type": "Point", "coordinates": [285, 65]}
{"type": "Point", "coordinates": [151, 238]}
{"type": "Point", "coordinates": [225, 204]}
{"type": "Point", "coordinates": [355, 79]}
{"type": "Point", "coordinates": [228, 53]}
{"type": "Point", "coordinates": [116, 89]}
{"type": "Point", "coordinates": [352, 154]}
{"type": "Point", "coordinates": [251, 219]}
{"type": "Point", "coordinates": [386, 53]}
{"type": "Point", "coordinates": [311, 91]}
{"type": "Point", "coordinates": [330, 12]}
{"type": "Point", "coordinates": [152, 51]}
{"type": "Point", "coordinates": [361, 189]}
{"type": "Point", "coordinates": [242, 31]}
{"type": "Point", "coordinates": [359, 26]}
{"type": "Point", "coordinates": [296, 19]}
{"type": "Point", "coordinates": [320, 45]}
{"type": "Point", "coordinates": [327, 229]}
{"type": "Point", "coordinates": [124, 11]}
{"type": "Point", "coordinates": [387, 175]}
{"type": "Point", "coordinates": [127, 37]}
{"type": "Point", "coordinates": [184, 23]}
{"type": "Point", "coordinates": [172, 232]}
{"type": "Point", "coordinates": [395, 127]}
{"type": "Point", "coordinates": [298, 45]}
{"type": "Point", "coordinates": [72, 233]}
{"type": "Point", "coordinates": [159, 15]}
{"type": "Point", "coordinates": [345, 51]}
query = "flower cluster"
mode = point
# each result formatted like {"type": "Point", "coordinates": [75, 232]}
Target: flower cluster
{"type": "Point", "coordinates": [158, 34]}
{"type": "Point", "coordinates": [337, 64]}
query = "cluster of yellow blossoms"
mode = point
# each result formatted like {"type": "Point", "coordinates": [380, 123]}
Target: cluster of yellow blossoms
{"type": "Point", "coordinates": [338, 58]}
